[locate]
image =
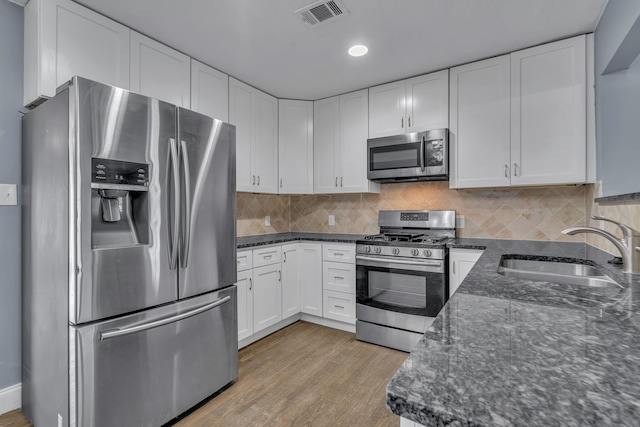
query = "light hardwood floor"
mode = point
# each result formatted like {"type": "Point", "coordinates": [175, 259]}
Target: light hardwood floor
{"type": "Point", "coordinates": [303, 375]}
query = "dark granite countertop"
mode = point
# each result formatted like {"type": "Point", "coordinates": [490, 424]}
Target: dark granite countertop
{"type": "Point", "coordinates": [270, 239]}
{"type": "Point", "coordinates": [513, 352]}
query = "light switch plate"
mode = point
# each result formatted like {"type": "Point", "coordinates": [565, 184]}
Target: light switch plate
{"type": "Point", "coordinates": [267, 221]}
{"type": "Point", "coordinates": [332, 220]}
{"type": "Point", "coordinates": [459, 221]}
{"type": "Point", "coordinates": [8, 195]}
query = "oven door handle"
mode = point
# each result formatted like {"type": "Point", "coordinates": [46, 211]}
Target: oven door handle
{"type": "Point", "coordinates": [370, 260]}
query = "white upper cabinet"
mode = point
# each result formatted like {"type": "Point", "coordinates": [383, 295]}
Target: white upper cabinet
{"type": "Point", "coordinates": [326, 145]}
{"type": "Point", "coordinates": [63, 39]}
{"type": "Point", "coordinates": [412, 105]}
{"type": "Point", "coordinates": [548, 113]}
{"type": "Point", "coordinates": [159, 71]}
{"type": "Point", "coordinates": [255, 115]}
{"type": "Point", "coordinates": [209, 91]}
{"type": "Point", "coordinates": [520, 119]}
{"type": "Point", "coordinates": [295, 146]}
{"type": "Point", "coordinates": [340, 144]}
{"type": "Point", "coordinates": [480, 120]}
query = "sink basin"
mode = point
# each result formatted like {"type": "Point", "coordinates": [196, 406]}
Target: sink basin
{"type": "Point", "coordinates": [555, 271]}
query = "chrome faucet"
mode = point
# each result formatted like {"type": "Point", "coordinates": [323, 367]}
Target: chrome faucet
{"type": "Point", "coordinates": [629, 245]}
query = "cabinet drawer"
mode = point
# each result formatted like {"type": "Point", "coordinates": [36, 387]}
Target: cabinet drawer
{"type": "Point", "coordinates": [244, 260]}
{"type": "Point", "coordinates": [340, 306]}
{"type": "Point", "coordinates": [267, 256]}
{"type": "Point", "coordinates": [339, 253]}
{"type": "Point", "coordinates": [339, 276]}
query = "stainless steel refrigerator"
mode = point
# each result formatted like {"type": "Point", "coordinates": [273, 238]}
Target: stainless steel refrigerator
{"type": "Point", "coordinates": [129, 247]}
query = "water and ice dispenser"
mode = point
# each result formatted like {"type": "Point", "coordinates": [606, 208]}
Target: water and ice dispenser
{"type": "Point", "coordinates": [119, 203]}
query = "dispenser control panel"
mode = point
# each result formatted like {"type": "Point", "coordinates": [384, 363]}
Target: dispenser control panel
{"type": "Point", "coordinates": [107, 171]}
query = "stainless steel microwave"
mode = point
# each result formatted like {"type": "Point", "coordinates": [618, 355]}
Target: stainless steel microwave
{"type": "Point", "coordinates": [418, 156]}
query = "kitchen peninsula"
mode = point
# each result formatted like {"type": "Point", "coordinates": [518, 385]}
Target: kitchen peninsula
{"type": "Point", "coordinates": [510, 352]}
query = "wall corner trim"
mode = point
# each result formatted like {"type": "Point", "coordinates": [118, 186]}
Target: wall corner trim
{"type": "Point", "coordinates": [10, 398]}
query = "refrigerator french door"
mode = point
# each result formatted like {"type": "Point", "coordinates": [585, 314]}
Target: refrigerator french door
{"type": "Point", "coordinates": [129, 307]}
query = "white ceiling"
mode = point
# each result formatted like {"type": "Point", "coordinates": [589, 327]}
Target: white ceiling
{"type": "Point", "coordinates": [264, 44]}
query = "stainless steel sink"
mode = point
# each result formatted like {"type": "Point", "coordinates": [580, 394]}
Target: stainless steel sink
{"type": "Point", "coordinates": [557, 272]}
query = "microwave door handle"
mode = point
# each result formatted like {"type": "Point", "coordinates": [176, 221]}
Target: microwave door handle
{"type": "Point", "coordinates": [422, 149]}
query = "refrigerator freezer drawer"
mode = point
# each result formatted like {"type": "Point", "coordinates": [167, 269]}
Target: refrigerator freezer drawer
{"type": "Point", "coordinates": [147, 368]}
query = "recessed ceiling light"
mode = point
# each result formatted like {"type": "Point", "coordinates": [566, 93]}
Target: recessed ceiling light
{"type": "Point", "coordinates": [358, 50]}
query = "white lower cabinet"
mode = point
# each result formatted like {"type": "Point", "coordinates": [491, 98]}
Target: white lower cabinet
{"type": "Point", "coordinates": [311, 278]}
{"type": "Point", "coordinates": [277, 283]}
{"type": "Point", "coordinates": [461, 261]}
{"type": "Point", "coordinates": [267, 296]}
{"type": "Point", "coordinates": [245, 304]}
{"type": "Point", "coordinates": [339, 282]}
{"type": "Point", "coordinates": [290, 280]}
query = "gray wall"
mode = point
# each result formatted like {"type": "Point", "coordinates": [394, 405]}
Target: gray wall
{"type": "Point", "coordinates": [617, 102]}
{"type": "Point", "coordinates": [11, 34]}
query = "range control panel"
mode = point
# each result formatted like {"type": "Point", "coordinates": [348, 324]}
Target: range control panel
{"type": "Point", "coordinates": [107, 171]}
{"type": "Point", "coordinates": [414, 216]}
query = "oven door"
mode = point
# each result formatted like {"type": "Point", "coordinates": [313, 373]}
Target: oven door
{"type": "Point", "coordinates": [399, 292]}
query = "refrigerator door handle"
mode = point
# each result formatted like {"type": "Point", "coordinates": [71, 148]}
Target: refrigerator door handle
{"type": "Point", "coordinates": [145, 326]}
{"type": "Point", "coordinates": [174, 240]}
{"type": "Point", "coordinates": [186, 230]}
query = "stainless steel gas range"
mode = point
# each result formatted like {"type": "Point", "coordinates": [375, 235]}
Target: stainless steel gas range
{"type": "Point", "coordinates": [401, 276]}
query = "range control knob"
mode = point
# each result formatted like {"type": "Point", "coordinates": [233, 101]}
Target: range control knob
{"type": "Point", "coordinates": [367, 249]}
{"type": "Point", "coordinates": [415, 252]}
{"type": "Point", "coordinates": [378, 249]}
{"type": "Point", "coordinates": [396, 251]}
{"type": "Point", "coordinates": [427, 253]}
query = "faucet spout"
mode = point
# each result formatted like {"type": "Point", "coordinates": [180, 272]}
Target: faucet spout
{"type": "Point", "coordinates": [626, 246]}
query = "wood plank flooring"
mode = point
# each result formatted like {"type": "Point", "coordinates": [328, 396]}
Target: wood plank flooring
{"type": "Point", "coordinates": [303, 375]}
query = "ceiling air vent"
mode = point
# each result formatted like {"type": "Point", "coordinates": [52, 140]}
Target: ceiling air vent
{"type": "Point", "coordinates": [322, 11]}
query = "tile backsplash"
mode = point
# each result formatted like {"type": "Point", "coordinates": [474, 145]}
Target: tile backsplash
{"type": "Point", "coordinates": [510, 213]}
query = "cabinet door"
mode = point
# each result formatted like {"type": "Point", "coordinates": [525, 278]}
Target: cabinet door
{"type": "Point", "coordinates": [427, 102]}
{"type": "Point", "coordinates": [159, 71]}
{"type": "Point", "coordinates": [267, 296]}
{"type": "Point", "coordinates": [63, 39]}
{"type": "Point", "coordinates": [353, 143]}
{"type": "Point", "coordinates": [548, 113]}
{"type": "Point", "coordinates": [240, 112]}
{"type": "Point", "coordinates": [461, 261]}
{"type": "Point", "coordinates": [245, 304]}
{"type": "Point", "coordinates": [326, 138]}
{"type": "Point", "coordinates": [387, 109]}
{"type": "Point", "coordinates": [209, 91]}
{"type": "Point", "coordinates": [295, 146]}
{"type": "Point", "coordinates": [265, 141]}
{"type": "Point", "coordinates": [311, 278]}
{"type": "Point", "coordinates": [480, 121]}
{"type": "Point", "coordinates": [290, 281]}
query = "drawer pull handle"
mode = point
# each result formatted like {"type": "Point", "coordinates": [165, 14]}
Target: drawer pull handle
{"type": "Point", "coordinates": [338, 254]}
{"type": "Point", "coordinates": [338, 277]}
{"type": "Point", "coordinates": [339, 306]}
{"type": "Point", "coordinates": [267, 257]}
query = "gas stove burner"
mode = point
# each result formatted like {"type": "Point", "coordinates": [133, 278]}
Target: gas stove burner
{"type": "Point", "coordinates": [396, 237]}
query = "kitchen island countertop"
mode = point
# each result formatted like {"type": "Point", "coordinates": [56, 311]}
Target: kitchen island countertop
{"type": "Point", "coordinates": [513, 352]}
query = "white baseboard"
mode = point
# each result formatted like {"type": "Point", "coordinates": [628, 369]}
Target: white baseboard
{"type": "Point", "coordinates": [10, 398]}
